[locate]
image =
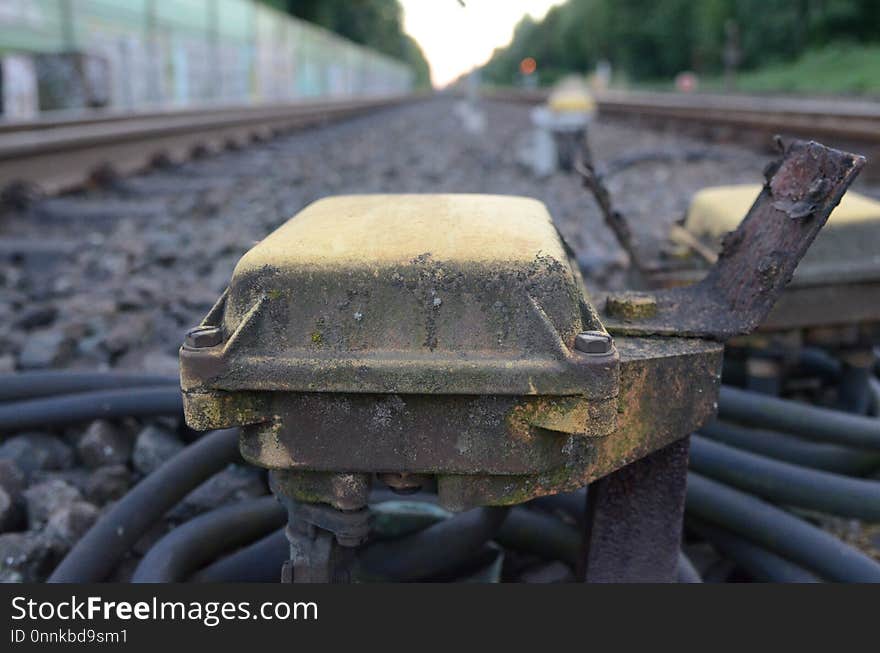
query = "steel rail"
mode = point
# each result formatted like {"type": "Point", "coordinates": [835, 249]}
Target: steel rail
{"type": "Point", "coordinates": [60, 155]}
{"type": "Point", "coordinates": [846, 120]}
{"type": "Point", "coordinates": [78, 117]}
{"type": "Point", "coordinates": [785, 118]}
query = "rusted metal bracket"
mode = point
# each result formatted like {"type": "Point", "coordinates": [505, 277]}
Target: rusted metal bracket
{"type": "Point", "coordinates": [315, 556]}
{"type": "Point", "coordinates": [757, 259]}
{"type": "Point", "coordinates": [614, 219]}
{"type": "Point", "coordinates": [633, 522]}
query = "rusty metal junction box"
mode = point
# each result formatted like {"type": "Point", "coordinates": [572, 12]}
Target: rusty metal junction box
{"type": "Point", "coordinates": [433, 338]}
{"type": "Point", "coordinates": [447, 342]}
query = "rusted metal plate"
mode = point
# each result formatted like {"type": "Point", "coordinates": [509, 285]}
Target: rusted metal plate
{"type": "Point", "coordinates": [835, 284]}
{"type": "Point", "coordinates": [668, 389]}
{"type": "Point", "coordinates": [847, 249]}
{"type": "Point", "coordinates": [837, 303]}
{"type": "Point", "coordinates": [483, 450]}
{"type": "Point", "coordinates": [759, 258]}
{"type": "Point", "coordinates": [492, 434]}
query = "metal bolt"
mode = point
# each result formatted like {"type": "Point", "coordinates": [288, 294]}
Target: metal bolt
{"type": "Point", "coordinates": [203, 336]}
{"type": "Point", "coordinates": [287, 571]}
{"type": "Point", "coordinates": [403, 482]}
{"type": "Point", "coordinates": [631, 305]}
{"type": "Point", "coordinates": [593, 343]}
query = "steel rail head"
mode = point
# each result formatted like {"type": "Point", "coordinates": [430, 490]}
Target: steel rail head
{"type": "Point", "coordinates": [52, 159]}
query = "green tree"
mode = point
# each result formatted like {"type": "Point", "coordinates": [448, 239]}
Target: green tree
{"type": "Point", "coordinates": [378, 24]}
{"type": "Point", "coordinates": [650, 39]}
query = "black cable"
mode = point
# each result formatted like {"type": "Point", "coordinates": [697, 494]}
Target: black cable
{"type": "Point", "coordinates": [759, 563]}
{"type": "Point", "coordinates": [96, 554]}
{"type": "Point", "coordinates": [854, 390]}
{"type": "Point", "coordinates": [573, 504]}
{"type": "Point", "coordinates": [540, 534]}
{"type": "Point", "coordinates": [819, 362]}
{"type": "Point", "coordinates": [835, 426]}
{"type": "Point", "coordinates": [31, 385]}
{"type": "Point", "coordinates": [203, 538]}
{"type": "Point", "coordinates": [785, 483]}
{"type": "Point", "coordinates": [686, 572]}
{"type": "Point", "coordinates": [792, 449]}
{"type": "Point", "coordinates": [86, 406]}
{"type": "Point", "coordinates": [778, 531]}
{"type": "Point", "coordinates": [436, 550]}
{"type": "Point", "coordinates": [523, 530]}
{"type": "Point", "coordinates": [259, 562]}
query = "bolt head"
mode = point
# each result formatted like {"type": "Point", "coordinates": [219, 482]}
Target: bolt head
{"type": "Point", "coordinates": [631, 305]}
{"type": "Point", "coordinates": [403, 482]}
{"type": "Point", "coordinates": [593, 343]}
{"type": "Point", "coordinates": [203, 336]}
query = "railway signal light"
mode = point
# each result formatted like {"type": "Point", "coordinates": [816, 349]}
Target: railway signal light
{"type": "Point", "coordinates": [528, 66]}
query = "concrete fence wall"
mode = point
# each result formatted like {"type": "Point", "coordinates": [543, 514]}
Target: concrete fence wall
{"type": "Point", "coordinates": [141, 54]}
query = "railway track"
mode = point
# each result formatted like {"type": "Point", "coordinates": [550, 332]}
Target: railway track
{"type": "Point", "coordinates": [62, 153]}
{"type": "Point", "coordinates": [839, 121]}
{"type": "Point", "coordinates": [58, 154]}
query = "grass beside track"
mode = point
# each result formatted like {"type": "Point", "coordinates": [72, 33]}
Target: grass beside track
{"type": "Point", "coordinates": [836, 69]}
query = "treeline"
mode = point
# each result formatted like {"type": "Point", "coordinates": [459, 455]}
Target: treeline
{"type": "Point", "coordinates": [652, 39]}
{"type": "Point", "coordinates": [377, 24]}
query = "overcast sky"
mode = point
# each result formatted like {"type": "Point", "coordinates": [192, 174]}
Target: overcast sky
{"type": "Point", "coordinates": [455, 38]}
